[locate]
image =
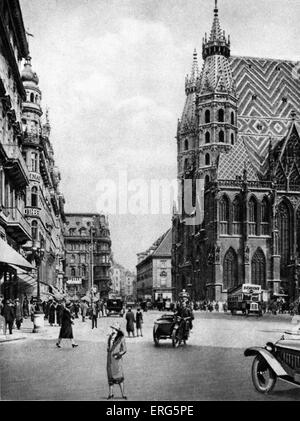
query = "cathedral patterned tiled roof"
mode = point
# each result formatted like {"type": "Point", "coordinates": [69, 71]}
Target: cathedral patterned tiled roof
{"type": "Point", "coordinates": [268, 91]}
{"type": "Point", "coordinates": [234, 163]}
{"type": "Point", "coordinates": [216, 75]}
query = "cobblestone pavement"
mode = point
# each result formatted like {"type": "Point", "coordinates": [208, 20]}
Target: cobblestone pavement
{"type": "Point", "coordinates": [210, 367]}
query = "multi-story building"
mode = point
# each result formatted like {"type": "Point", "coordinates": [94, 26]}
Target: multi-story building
{"type": "Point", "coordinates": [44, 204]}
{"type": "Point", "coordinates": [88, 251]}
{"type": "Point", "coordinates": [154, 279]}
{"type": "Point", "coordinates": [239, 135]}
{"type": "Point", "coordinates": [117, 279]}
{"type": "Point", "coordinates": [130, 286]}
{"type": "Point", "coordinates": [14, 176]}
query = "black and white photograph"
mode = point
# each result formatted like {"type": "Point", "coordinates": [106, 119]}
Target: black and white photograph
{"type": "Point", "coordinates": [149, 202]}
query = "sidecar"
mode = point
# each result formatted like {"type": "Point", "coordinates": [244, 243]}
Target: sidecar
{"type": "Point", "coordinates": [163, 327]}
{"type": "Point", "coordinates": [280, 360]}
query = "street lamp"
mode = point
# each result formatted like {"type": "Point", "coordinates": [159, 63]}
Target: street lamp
{"type": "Point", "coordinates": [38, 254]}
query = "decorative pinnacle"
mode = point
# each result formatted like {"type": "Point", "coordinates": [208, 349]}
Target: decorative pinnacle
{"type": "Point", "coordinates": [216, 8]}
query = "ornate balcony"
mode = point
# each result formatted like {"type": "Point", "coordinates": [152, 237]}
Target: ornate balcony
{"type": "Point", "coordinates": [15, 165]}
{"type": "Point", "coordinates": [16, 225]}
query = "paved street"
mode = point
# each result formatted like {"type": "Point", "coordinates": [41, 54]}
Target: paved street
{"type": "Point", "coordinates": [210, 367]}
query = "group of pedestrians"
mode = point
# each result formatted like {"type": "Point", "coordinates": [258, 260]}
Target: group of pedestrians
{"type": "Point", "coordinates": [12, 314]}
{"type": "Point", "coordinates": [134, 320]}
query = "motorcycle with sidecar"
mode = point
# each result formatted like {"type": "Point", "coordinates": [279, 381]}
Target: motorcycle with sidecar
{"type": "Point", "coordinates": [279, 360]}
{"type": "Point", "coordinates": [171, 326]}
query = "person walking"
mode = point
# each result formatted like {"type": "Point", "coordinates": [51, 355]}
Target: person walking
{"type": "Point", "coordinates": [94, 314]}
{"type": "Point", "coordinates": [25, 307]}
{"type": "Point", "coordinates": [52, 312]}
{"type": "Point", "coordinates": [130, 322]}
{"type": "Point", "coordinates": [59, 312]}
{"type": "Point", "coordinates": [8, 313]}
{"type": "Point", "coordinates": [116, 348]}
{"type": "Point", "coordinates": [139, 322]}
{"type": "Point", "coordinates": [66, 331]}
{"type": "Point", "coordinates": [84, 308]}
{"type": "Point", "coordinates": [18, 313]}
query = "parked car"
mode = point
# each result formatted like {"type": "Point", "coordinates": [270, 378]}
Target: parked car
{"type": "Point", "coordinates": [279, 360]}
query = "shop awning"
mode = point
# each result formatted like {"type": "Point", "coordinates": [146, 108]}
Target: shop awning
{"type": "Point", "coordinates": [10, 256]}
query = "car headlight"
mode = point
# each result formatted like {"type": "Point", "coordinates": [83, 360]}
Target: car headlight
{"type": "Point", "coordinates": [269, 347]}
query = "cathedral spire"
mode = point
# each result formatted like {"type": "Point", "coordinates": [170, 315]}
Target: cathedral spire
{"type": "Point", "coordinates": [217, 43]}
{"type": "Point", "coordinates": [190, 82]}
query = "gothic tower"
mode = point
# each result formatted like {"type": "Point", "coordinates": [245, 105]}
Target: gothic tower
{"type": "Point", "coordinates": [216, 100]}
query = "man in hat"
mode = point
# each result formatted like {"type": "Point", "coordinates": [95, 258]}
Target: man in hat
{"type": "Point", "coordinates": [18, 313]}
{"type": "Point", "coordinates": [130, 320]}
{"type": "Point", "coordinates": [8, 313]}
{"type": "Point", "coordinates": [116, 348]}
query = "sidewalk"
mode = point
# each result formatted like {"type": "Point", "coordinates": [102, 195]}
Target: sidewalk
{"type": "Point", "coordinates": [26, 332]}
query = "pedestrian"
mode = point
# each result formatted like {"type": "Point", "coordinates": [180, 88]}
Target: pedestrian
{"type": "Point", "coordinates": [104, 308]}
{"type": "Point", "coordinates": [94, 314]}
{"type": "Point", "coordinates": [59, 312]}
{"type": "Point", "coordinates": [52, 312]}
{"type": "Point", "coordinates": [76, 309]}
{"type": "Point", "coordinates": [66, 331]}
{"type": "Point", "coordinates": [18, 313]}
{"type": "Point", "coordinates": [116, 348]}
{"type": "Point", "coordinates": [84, 308]}
{"type": "Point", "coordinates": [130, 319]}
{"type": "Point", "coordinates": [25, 307]}
{"type": "Point", "coordinates": [139, 321]}
{"type": "Point", "coordinates": [217, 306]}
{"type": "Point", "coordinates": [8, 313]}
{"type": "Point", "coordinates": [225, 307]}
{"type": "Point", "coordinates": [31, 310]}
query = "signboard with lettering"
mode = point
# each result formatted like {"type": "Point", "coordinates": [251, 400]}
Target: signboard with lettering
{"type": "Point", "coordinates": [251, 289]}
{"type": "Point", "coordinates": [33, 176]}
{"type": "Point", "coordinates": [74, 281]}
{"type": "Point", "coordinates": [32, 212]}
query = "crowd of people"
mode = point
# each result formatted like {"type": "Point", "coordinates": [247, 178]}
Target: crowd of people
{"type": "Point", "coordinates": [11, 315]}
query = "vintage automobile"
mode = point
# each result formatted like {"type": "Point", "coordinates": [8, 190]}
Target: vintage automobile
{"type": "Point", "coordinates": [280, 360]}
{"type": "Point", "coordinates": [115, 306]}
{"type": "Point", "coordinates": [170, 326]}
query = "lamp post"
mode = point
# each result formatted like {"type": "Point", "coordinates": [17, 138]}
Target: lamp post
{"type": "Point", "coordinates": [38, 254]}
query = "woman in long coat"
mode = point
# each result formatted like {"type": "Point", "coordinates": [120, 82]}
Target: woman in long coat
{"type": "Point", "coordinates": [116, 348]}
{"type": "Point", "coordinates": [52, 313]}
{"type": "Point", "coordinates": [66, 331]}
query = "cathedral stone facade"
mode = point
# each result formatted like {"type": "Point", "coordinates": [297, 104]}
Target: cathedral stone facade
{"type": "Point", "coordinates": [239, 134]}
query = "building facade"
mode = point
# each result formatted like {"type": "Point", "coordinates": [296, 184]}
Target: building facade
{"type": "Point", "coordinates": [123, 282]}
{"type": "Point", "coordinates": [14, 176]}
{"type": "Point", "coordinates": [44, 203]}
{"type": "Point", "coordinates": [154, 280]}
{"type": "Point", "coordinates": [238, 135]}
{"type": "Point", "coordinates": [88, 253]}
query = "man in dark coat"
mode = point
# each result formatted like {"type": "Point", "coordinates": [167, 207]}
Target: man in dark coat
{"type": "Point", "coordinates": [59, 313]}
{"type": "Point", "coordinates": [52, 312]}
{"type": "Point", "coordinates": [8, 312]}
{"type": "Point", "coordinates": [25, 307]}
{"type": "Point", "coordinates": [18, 313]}
{"type": "Point", "coordinates": [66, 331]}
{"type": "Point", "coordinates": [130, 322]}
{"type": "Point", "coordinates": [94, 314]}
{"type": "Point", "coordinates": [139, 322]}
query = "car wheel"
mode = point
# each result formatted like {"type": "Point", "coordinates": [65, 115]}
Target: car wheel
{"type": "Point", "coordinates": [263, 376]}
{"type": "Point", "coordinates": [155, 338]}
{"type": "Point", "coordinates": [175, 339]}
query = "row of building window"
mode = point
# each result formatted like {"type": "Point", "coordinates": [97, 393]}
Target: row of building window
{"type": "Point", "coordinates": [221, 139]}
{"type": "Point", "coordinates": [231, 213]}
{"type": "Point", "coordinates": [221, 116]}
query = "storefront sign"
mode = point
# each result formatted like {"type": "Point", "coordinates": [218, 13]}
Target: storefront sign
{"type": "Point", "coordinates": [251, 289]}
{"type": "Point", "coordinates": [32, 212]}
{"type": "Point", "coordinates": [74, 281]}
{"type": "Point", "coordinates": [33, 176]}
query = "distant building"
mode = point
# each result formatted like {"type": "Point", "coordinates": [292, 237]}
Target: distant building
{"type": "Point", "coordinates": [123, 282]}
{"type": "Point", "coordinates": [88, 244]}
{"type": "Point", "coordinates": [154, 270]}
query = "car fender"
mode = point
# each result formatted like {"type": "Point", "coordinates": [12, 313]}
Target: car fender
{"type": "Point", "coordinates": [270, 359]}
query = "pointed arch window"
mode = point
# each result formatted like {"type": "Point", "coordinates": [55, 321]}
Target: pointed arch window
{"type": "Point", "coordinates": [284, 227]}
{"type": "Point", "coordinates": [221, 115]}
{"type": "Point", "coordinates": [236, 216]}
{"type": "Point", "coordinates": [232, 118]}
{"type": "Point", "coordinates": [232, 139]}
{"type": "Point", "coordinates": [224, 214]}
{"type": "Point", "coordinates": [207, 137]}
{"type": "Point", "coordinates": [31, 97]}
{"type": "Point", "coordinates": [252, 216]}
{"type": "Point", "coordinates": [207, 159]}
{"type": "Point", "coordinates": [206, 181]}
{"type": "Point", "coordinates": [186, 145]}
{"type": "Point", "coordinates": [230, 272]}
{"type": "Point", "coordinates": [265, 216]}
{"type": "Point", "coordinates": [73, 272]}
{"type": "Point", "coordinates": [34, 161]}
{"type": "Point", "coordinates": [34, 196]}
{"type": "Point", "coordinates": [258, 269]}
{"type": "Point", "coordinates": [34, 230]}
{"type": "Point", "coordinates": [221, 136]}
{"type": "Point", "coordinates": [207, 116]}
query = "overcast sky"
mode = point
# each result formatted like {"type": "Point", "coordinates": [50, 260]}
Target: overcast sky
{"type": "Point", "coordinates": [112, 73]}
